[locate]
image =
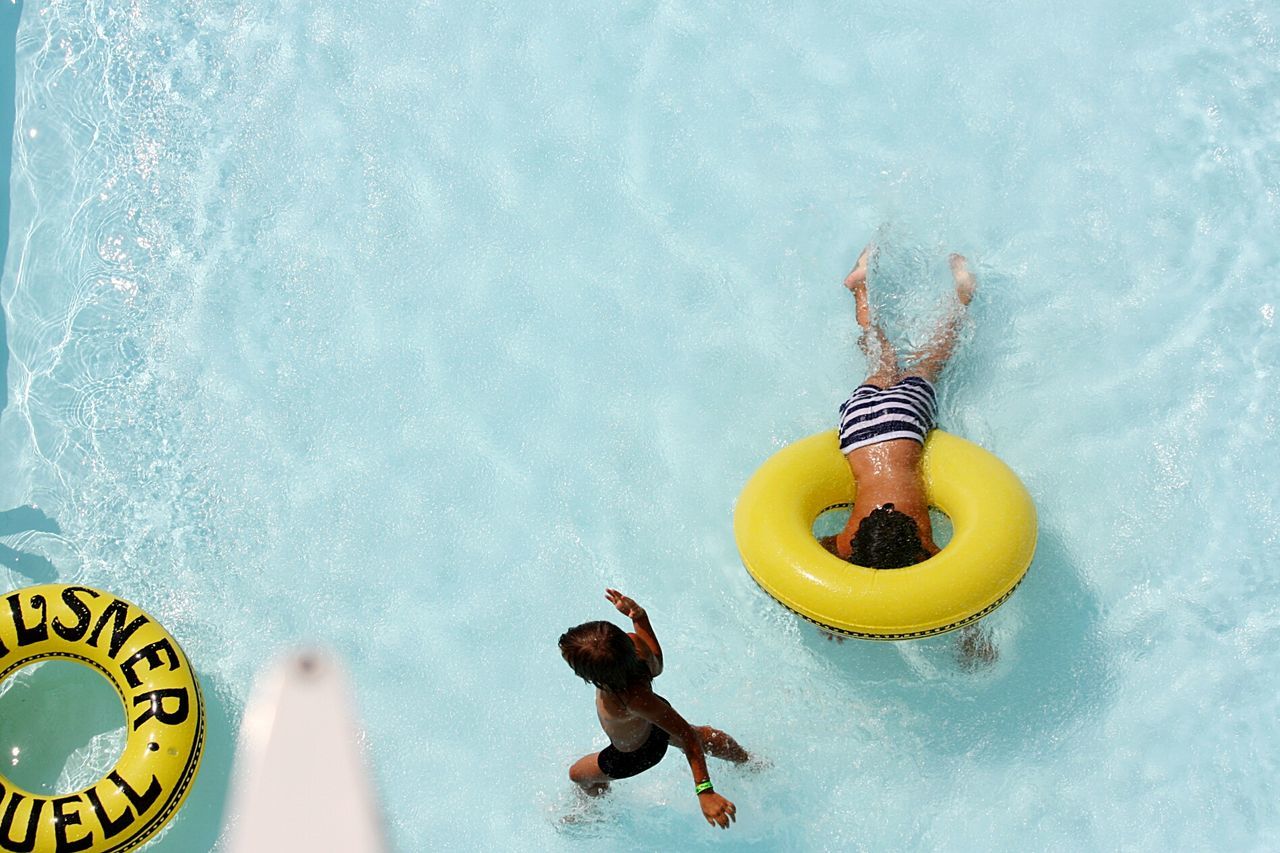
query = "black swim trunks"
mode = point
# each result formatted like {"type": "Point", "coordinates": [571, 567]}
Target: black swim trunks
{"type": "Point", "coordinates": [617, 764]}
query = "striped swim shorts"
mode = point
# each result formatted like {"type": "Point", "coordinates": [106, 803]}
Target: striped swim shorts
{"type": "Point", "coordinates": [906, 409]}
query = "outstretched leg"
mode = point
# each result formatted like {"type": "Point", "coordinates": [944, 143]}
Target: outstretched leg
{"type": "Point", "coordinates": [879, 352]}
{"type": "Point", "coordinates": [935, 355]}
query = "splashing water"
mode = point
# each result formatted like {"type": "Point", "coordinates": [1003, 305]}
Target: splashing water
{"type": "Point", "coordinates": [409, 327]}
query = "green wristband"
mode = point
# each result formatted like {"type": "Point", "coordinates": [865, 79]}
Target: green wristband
{"type": "Point", "coordinates": [703, 787]}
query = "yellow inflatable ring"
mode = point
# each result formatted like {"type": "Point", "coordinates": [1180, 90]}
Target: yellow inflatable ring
{"type": "Point", "coordinates": [163, 711]}
{"type": "Point", "coordinates": [994, 538]}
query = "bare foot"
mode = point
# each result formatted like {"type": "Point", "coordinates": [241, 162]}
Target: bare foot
{"type": "Point", "coordinates": [965, 282]}
{"type": "Point", "coordinates": [858, 275]}
{"type": "Point", "coordinates": [856, 281]}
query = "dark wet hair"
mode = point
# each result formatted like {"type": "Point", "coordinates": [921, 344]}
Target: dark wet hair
{"type": "Point", "coordinates": [602, 654]}
{"type": "Point", "coordinates": [887, 539]}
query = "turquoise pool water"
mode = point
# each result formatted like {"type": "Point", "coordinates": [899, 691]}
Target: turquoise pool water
{"type": "Point", "coordinates": [409, 327]}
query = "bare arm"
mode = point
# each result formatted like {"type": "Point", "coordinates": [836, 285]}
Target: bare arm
{"type": "Point", "coordinates": [646, 641]}
{"type": "Point", "coordinates": [716, 809]}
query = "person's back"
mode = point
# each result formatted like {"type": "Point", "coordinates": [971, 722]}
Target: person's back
{"type": "Point", "coordinates": [888, 478]}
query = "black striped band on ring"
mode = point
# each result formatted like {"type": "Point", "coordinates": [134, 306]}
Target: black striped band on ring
{"type": "Point", "coordinates": [910, 635]}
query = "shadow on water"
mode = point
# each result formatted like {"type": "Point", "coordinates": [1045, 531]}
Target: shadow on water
{"type": "Point", "coordinates": [23, 519]}
{"type": "Point", "coordinates": [1052, 675]}
{"type": "Point", "coordinates": [50, 710]}
{"type": "Point", "coordinates": [199, 822]}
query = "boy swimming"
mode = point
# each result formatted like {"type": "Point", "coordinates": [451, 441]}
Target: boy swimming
{"type": "Point", "coordinates": [640, 723]}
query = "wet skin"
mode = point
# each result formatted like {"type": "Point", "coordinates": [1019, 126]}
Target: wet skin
{"type": "Point", "coordinates": [888, 472]}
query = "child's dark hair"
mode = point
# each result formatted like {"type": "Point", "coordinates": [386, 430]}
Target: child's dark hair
{"type": "Point", "coordinates": [602, 654]}
{"type": "Point", "coordinates": [887, 539]}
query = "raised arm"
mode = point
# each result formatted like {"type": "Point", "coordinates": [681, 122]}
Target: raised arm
{"type": "Point", "coordinates": [716, 809]}
{"type": "Point", "coordinates": [647, 643]}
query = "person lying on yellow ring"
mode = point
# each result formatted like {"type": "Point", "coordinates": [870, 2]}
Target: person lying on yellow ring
{"type": "Point", "coordinates": [883, 425]}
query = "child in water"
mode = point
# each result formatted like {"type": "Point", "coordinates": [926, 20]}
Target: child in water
{"type": "Point", "coordinates": [883, 425]}
{"type": "Point", "coordinates": [640, 723]}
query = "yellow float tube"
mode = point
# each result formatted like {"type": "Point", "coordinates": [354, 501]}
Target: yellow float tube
{"type": "Point", "coordinates": [163, 712]}
{"type": "Point", "coordinates": [993, 541]}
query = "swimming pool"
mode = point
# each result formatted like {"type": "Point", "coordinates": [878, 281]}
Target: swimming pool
{"type": "Point", "coordinates": [410, 327]}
